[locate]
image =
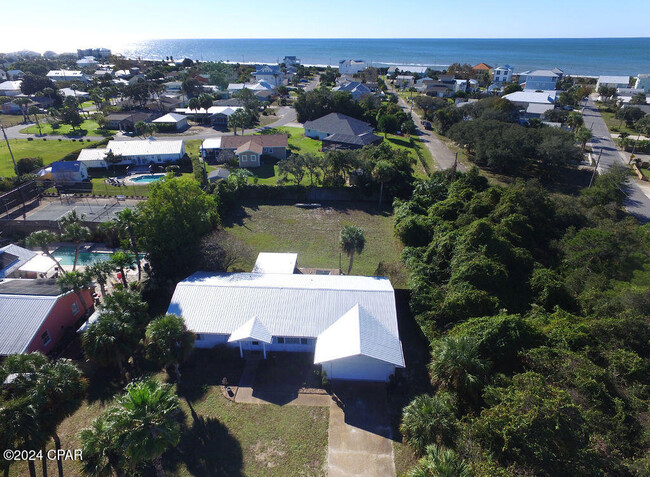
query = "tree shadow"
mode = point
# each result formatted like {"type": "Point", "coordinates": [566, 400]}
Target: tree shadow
{"type": "Point", "coordinates": [209, 367]}
{"type": "Point", "coordinates": [104, 384]}
{"type": "Point", "coordinates": [207, 449]}
{"type": "Point", "coordinates": [399, 142]}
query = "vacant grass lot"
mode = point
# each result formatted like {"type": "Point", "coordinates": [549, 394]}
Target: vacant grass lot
{"type": "Point", "coordinates": [88, 128]}
{"type": "Point", "coordinates": [50, 150]}
{"type": "Point", "coordinates": [314, 235]}
{"type": "Point", "coordinates": [218, 437]}
{"type": "Point", "coordinates": [8, 120]}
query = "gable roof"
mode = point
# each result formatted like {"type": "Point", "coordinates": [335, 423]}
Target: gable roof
{"type": "Point", "coordinates": [482, 66]}
{"type": "Point", "coordinates": [263, 140]}
{"type": "Point", "coordinates": [253, 329]}
{"type": "Point", "coordinates": [334, 123]}
{"type": "Point", "coordinates": [268, 70]}
{"type": "Point", "coordinates": [544, 97]}
{"type": "Point", "coordinates": [251, 146]}
{"type": "Point", "coordinates": [355, 333]}
{"type": "Point", "coordinates": [66, 166]}
{"type": "Point", "coordinates": [360, 140]}
{"type": "Point", "coordinates": [10, 85]}
{"type": "Point", "coordinates": [170, 118]}
{"type": "Point", "coordinates": [291, 305]}
{"type": "Point", "coordinates": [21, 316]}
{"type": "Point", "coordinates": [12, 257]}
{"type": "Point", "coordinates": [275, 262]}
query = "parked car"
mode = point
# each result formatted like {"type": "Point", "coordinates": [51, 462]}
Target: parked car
{"type": "Point", "coordinates": [427, 125]}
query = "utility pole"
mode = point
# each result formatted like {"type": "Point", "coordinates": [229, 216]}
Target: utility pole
{"type": "Point", "coordinates": [595, 168]}
{"type": "Point", "coordinates": [10, 152]}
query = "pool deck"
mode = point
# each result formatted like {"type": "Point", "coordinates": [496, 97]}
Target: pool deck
{"type": "Point", "coordinates": [128, 180]}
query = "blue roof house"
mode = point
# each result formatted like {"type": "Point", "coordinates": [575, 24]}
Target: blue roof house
{"type": "Point", "coordinates": [69, 172]}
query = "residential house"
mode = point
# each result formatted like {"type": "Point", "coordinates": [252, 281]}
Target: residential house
{"type": "Point", "coordinates": [87, 62]}
{"type": "Point", "coordinates": [14, 75]}
{"type": "Point", "coordinates": [67, 75]}
{"type": "Point", "coordinates": [127, 120]}
{"type": "Point", "coordinates": [421, 70]}
{"type": "Point", "coordinates": [404, 81]}
{"type": "Point", "coordinates": [481, 68]}
{"type": "Point", "coordinates": [643, 82]}
{"type": "Point", "coordinates": [350, 67]}
{"type": "Point", "coordinates": [74, 93]}
{"type": "Point", "coordinates": [348, 322]}
{"type": "Point", "coordinates": [135, 153]}
{"type": "Point", "coordinates": [12, 257]}
{"type": "Point", "coordinates": [215, 115]}
{"type": "Point", "coordinates": [102, 72]}
{"type": "Point", "coordinates": [262, 89]}
{"type": "Point", "coordinates": [3, 75]}
{"type": "Point", "coordinates": [10, 88]}
{"type": "Point", "coordinates": [94, 53]}
{"type": "Point", "coordinates": [171, 122]}
{"type": "Point", "coordinates": [291, 61]}
{"type": "Point", "coordinates": [540, 80]}
{"type": "Point", "coordinates": [532, 104]}
{"type": "Point", "coordinates": [502, 74]}
{"type": "Point", "coordinates": [69, 172]}
{"type": "Point", "coordinates": [613, 82]}
{"type": "Point", "coordinates": [248, 149]}
{"type": "Point", "coordinates": [271, 74]}
{"type": "Point", "coordinates": [337, 130]}
{"type": "Point", "coordinates": [35, 315]}
{"type": "Point", "coordinates": [356, 89]}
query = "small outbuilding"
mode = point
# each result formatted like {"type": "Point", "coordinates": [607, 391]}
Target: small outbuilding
{"type": "Point", "coordinates": [67, 172]}
{"type": "Point", "coordinates": [171, 122]}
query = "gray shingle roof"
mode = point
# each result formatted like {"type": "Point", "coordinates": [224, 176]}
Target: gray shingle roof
{"type": "Point", "coordinates": [337, 123]}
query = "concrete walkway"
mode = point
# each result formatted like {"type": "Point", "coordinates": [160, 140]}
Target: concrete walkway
{"type": "Point", "coordinates": [360, 442]}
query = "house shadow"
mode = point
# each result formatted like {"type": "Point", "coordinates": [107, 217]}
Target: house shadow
{"type": "Point", "coordinates": [209, 367]}
{"type": "Point", "coordinates": [364, 406]}
{"type": "Point", "coordinates": [206, 449]}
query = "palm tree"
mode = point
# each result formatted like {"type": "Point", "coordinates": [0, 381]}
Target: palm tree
{"type": "Point", "coordinates": [574, 120]}
{"type": "Point", "coordinates": [109, 341]}
{"type": "Point", "coordinates": [238, 119]}
{"type": "Point", "coordinates": [384, 171]}
{"type": "Point", "coordinates": [169, 342]}
{"type": "Point", "coordinates": [429, 420]}
{"type": "Point", "coordinates": [75, 282]}
{"type": "Point", "coordinates": [74, 231]}
{"type": "Point", "coordinates": [19, 428]}
{"type": "Point", "coordinates": [128, 307]}
{"type": "Point", "coordinates": [351, 241]}
{"type": "Point", "coordinates": [100, 272]}
{"type": "Point", "coordinates": [102, 456]}
{"type": "Point", "coordinates": [23, 102]}
{"type": "Point", "coordinates": [440, 462]}
{"type": "Point", "coordinates": [58, 393]}
{"type": "Point", "coordinates": [205, 101]}
{"type": "Point", "coordinates": [128, 221]}
{"type": "Point", "coordinates": [582, 135]}
{"type": "Point", "coordinates": [122, 261]}
{"type": "Point", "coordinates": [33, 110]}
{"type": "Point", "coordinates": [145, 421]}
{"type": "Point", "coordinates": [456, 365]}
{"type": "Point", "coordinates": [194, 105]}
{"type": "Point", "coordinates": [43, 239]}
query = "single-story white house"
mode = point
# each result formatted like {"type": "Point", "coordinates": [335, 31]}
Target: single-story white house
{"type": "Point", "coordinates": [67, 75]}
{"type": "Point", "coordinates": [10, 88]}
{"type": "Point", "coordinates": [69, 172]}
{"type": "Point", "coordinates": [350, 67]}
{"type": "Point", "coordinates": [348, 322]}
{"type": "Point", "coordinates": [172, 121]}
{"type": "Point", "coordinates": [613, 82]}
{"type": "Point", "coordinates": [74, 93]}
{"type": "Point", "coordinates": [218, 115]}
{"type": "Point", "coordinates": [144, 152]}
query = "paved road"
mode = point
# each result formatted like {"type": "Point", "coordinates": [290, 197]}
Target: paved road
{"type": "Point", "coordinates": [637, 203]}
{"type": "Point", "coordinates": [442, 156]}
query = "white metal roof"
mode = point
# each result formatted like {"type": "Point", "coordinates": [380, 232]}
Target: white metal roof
{"type": "Point", "coordinates": [10, 85]}
{"type": "Point", "coordinates": [22, 255]}
{"type": "Point", "coordinates": [21, 316]}
{"type": "Point", "coordinates": [355, 333]}
{"type": "Point", "coordinates": [531, 97]}
{"type": "Point", "coordinates": [289, 305]}
{"type": "Point", "coordinates": [65, 74]}
{"type": "Point", "coordinates": [90, 155]}
{"type": "Point", "coordinates": [145, 147]}
{"type": "Point", "coordinates": [211, 143]}
{"type": "Point", "coordinates": [614, 79]}
{"type": "Point", "coordinates": [93, 318]}
{"type": "Point", "coordinates": [538, 108]}
{"type": "Point", "coordinates": [39, 264]}
{"type": "Point", "coordinates": [226, 110]}
{"type": "Point", "coordinates": [275, 262]}
{"type": "Point", "coordinates": [253, 329]}
{"type": "Point", "coordinates": [169, 118]}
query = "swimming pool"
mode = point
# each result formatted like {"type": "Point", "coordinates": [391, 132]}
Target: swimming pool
{"type": "Point", "coordinates": [147, 178]}
{"type": "Point", "coordinates": [65, 256]}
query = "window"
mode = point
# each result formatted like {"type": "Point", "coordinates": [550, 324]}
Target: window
{"type": "Point", "coordinates": [280, 340]}
{"type": "Point", "coordinates": [304, 341]}
{"type": "Point", "coordinates": [255, 343]}
{"type": "Point", "coordinates": [198, 337]}
{"type": "Point", "coordinates": [75, 308]}
{"type": "Point", "coordinates": [244, 158]}
{"type": "Point", "coordinates": [45, 337]}
{"type": "Point", "coordinates": [268, 150]}
{"type": "Point", "coordinates": [292, 340]}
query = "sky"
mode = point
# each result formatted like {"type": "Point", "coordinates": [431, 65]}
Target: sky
{"type": "Point", "coordinates": [65, 26]}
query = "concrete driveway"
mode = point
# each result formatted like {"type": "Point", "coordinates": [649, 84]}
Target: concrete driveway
{"type": "Point", "coordinates": [360, 442]}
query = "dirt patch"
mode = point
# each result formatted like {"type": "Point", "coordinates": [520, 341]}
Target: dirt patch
{"type": "Point", "coordinates": [269, 454]}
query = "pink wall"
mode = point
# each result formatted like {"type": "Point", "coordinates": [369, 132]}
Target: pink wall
{"type": "Point", "coordinates": [59, 319]}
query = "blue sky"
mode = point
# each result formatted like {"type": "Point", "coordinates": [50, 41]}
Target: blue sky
{"type": "Point", "coordinates": [44, 24]}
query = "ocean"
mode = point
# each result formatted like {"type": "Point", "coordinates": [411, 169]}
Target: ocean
{"type": "Point", "coordinates": [577, 56]}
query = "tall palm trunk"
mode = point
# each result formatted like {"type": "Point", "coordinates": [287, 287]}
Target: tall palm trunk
{"type": "Point", "coordinates": [57, 445]}
{"type": "Point", "coordinates": [102, 287]}
{"type": "Point", "coordinates": [76, 256]}
{"type": "Point", "coordinates": [157, 463]}
{"type": "Point", "coordinates": [44, 461]}
{"type": "Point", "coordinates": [123, 274]}
{"type": "Point", "coordinates": [351, 260]}
{"type": "Point", "coordinates": [32, 468]}
{"type": "Point", "coordinates": [134, 248]}
{"type": "Point", "coordinates": [381, 192]}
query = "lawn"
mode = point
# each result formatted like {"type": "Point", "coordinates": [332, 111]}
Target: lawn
{"type": "Point", "coordinates": [300, 144]}
{"type": "Point", "coordinates": [615, 125]}
{"type": "Point", "coordinates": [50, 150]}
{"type": "Point", "coordinates": [88, 128]}
{"type": "Point", "coordinates": [9, 120]}
{"type": "Point", "coordinates": [314, 235]}
{"type": "Point", "coordinates": [218, 437]}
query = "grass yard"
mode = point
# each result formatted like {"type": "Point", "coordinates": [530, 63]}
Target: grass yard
{"type": "Point", "coordinates": [314, 235]}
{"type": "Point", "coordinates": [615, 125]}
{"type": "Point", "coordinates": [88, 128]}
{"type": "Point", "coordinates": [50, 150]}
{"type": "Point", "coordinates": [218, 437]}
{"type": "Point", "coordinates": [300, 144]}
{"type": "Point", "coordinates": [9, 120]}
